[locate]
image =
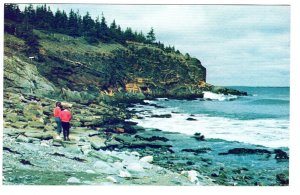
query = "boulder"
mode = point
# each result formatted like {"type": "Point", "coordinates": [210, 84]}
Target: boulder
{"type": "Point", "coordinates": [73, 180]}
{"type": "Point", "coordinates": [36, 124]}
{"type": "Point", "coordinates": [22, 138]}
{"type": "Point", "coordinates": [161, 116]}
{"type": "Point", "coordinates": [148, 159]}
{"type": "Point", "coordinates": [197, 151]}
{"type": "Point", "coordinates": [19, 125]}
{"type": "Point", "coordinates": [41, 135]}
{"type": "Point", "coordinates": [241, 151]}
{"type": "Point", "coordinates": [282, 179]}
{"type": "Point", "coordinates": [281, 155]}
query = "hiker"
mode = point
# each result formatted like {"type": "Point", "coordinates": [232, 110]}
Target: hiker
{"type": "Point", "coordinates": [65, 117]}
{"type": "Point", "coordinates": [56, 113]}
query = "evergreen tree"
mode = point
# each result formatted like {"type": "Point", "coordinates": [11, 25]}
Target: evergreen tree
{"type": "Point", "coordinates": [60, 22]}
{"type": "Point", "coordinates": [87, 24]}
{"type": "Point", "coordinates": [105, 34]}
{"type": "Point", "coordinates": [12, 12]}
{"type": "Point", "coordinates": [151, 36]}
{"type": "Point", "coordinates": [73, 24]}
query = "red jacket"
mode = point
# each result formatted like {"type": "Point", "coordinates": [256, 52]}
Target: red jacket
{"type": "Point", "coordinates": [65, 116]}
{"type": "Point", "coordinates": [56, 111]}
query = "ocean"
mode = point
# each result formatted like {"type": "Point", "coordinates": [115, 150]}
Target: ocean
{"type": "Point", "coordinates": [262, 118]}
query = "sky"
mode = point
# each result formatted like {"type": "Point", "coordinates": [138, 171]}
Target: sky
{"type": "Point", "coordinates": [240, 45]}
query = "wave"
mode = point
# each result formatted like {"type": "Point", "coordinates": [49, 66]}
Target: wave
{"type": "Point", "coordinates": [265, 132]}
{"type": "Point", "coordinates": [220, 97]}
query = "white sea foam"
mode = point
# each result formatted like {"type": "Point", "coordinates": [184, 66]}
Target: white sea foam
{"type": "Point", "coordinates": [266, 132]}
{"type": "Point", "coordinates": [219, 97]}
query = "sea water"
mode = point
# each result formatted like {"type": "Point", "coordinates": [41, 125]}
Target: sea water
{"type": "Point", "coordinates": [261, 118]}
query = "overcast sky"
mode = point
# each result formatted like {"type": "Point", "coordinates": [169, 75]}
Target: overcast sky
{"type": "Point", "coordinates": [238, 44]}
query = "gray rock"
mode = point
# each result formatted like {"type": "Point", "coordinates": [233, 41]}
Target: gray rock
{"type": "Point", "coordinates": [22, 138]}
{"type": "Point", "coordinates": [73, 180]}
{"type": "Point", "coordinates": [42, 135]}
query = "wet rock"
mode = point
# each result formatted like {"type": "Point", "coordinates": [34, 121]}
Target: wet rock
{"type": "Point", "coordinates": [152, 138]}
{"type": "Point", "coordinates": [282, 179]}
{"type": "Point", "coordinates": [26, 162]}
{"type": "Point", "coordinates": [73, 180]}
{"type": "Point", "coordinates": [241, 151]}
{"type": "Point", "coordinates": [191, 119]}
{"type": "Point", "coordinates": [197, 151]}
{"type": "Point", "coordinates": [199, 137]}
{"type": "Point", "coordinates": [161, 116]}
{"type": "Point", "coordinates": [281, 155]}
{"type": "Point", "coordinates": [215, 174]}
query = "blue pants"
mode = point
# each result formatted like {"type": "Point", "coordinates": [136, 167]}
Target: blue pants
{"type": "Point", "coordinates": [58, 123]}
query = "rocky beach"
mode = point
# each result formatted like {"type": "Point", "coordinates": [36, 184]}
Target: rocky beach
{"type": "Point", "coordinates": [143, 112]}
{"type": "Point", "coordinates": [106, 148]}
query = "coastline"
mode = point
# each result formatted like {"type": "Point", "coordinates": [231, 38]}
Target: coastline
{"type": "Point", "coordinates": [113, 154]}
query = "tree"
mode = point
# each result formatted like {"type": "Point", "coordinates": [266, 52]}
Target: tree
{"type": "Point", "coordinates": [12, 12]}
{"type": "Point", "coordinates": [60, 22]}
{"type": "Point", "coordinates": [151, 36]}
{"type": "Point", "coordinates": [74, 25]}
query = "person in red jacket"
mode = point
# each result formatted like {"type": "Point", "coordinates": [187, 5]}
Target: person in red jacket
{"type": "Point", "coordinates": [65, 117]}
{"type": "Point", "coordinates": [56, 113]}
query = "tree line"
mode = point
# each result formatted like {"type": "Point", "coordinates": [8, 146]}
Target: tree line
{"type": "Point", "coordinates": [72, 24]}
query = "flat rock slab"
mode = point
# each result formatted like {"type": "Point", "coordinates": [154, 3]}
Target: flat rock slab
{"type": "Point", "coordinates": [42, 135]}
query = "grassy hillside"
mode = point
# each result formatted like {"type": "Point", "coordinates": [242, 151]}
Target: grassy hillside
{"type": "Point", "coordinates": [68, 63]}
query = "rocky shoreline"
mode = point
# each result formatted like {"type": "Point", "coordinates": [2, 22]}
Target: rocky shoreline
{"type": "Point", "coordinates": [107, 149]}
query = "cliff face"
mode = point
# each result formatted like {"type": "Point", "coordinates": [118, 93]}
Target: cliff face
{"type": "Point", "coordinates": [71, 64]}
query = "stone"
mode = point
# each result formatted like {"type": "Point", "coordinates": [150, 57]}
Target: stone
{"type": "Point", "coordinates": [36, 124]}
{"type": "Point", "coordinates": [199, 137]}
{"type": "Point", "coordinates": [125, 174]}
{"type": "Point", "coordinates": [197, 151]}
{"type": "Point", "coordinates": [19, 125]}
{"type": "Point", "coordinates": [104, 167]}
{"type": "Point", "coordinates": [282, 179]}
{"type": "Point", "coordinates": [22, 138]}
{"type": "Point", "coordinates": [112, 179]}
{"type": "Point", "coordinates": [49, 127]}
{"type": "Point", "coordinates": [161, 116]}
{"type": "Point", "coordinates": [280, 154]}
{"type": "Point", "coordinates": [73, 180]}
{"type": "Point", "coordinates": [135, 167]}
{"type": "Point", "coordinates": [191, 119]}
{"type": "Point", "coordinates": [42, 135]}
{"type": "Point", "coordinates": [192, 175]}
{"type": "Point", "coordinates": [97, 145]}
{"type": "Point", "coordinates": [90, 171]}
{"type": "Point", "coordinates": [148, 159]}
{"type": "Point", "coordinates": [241, 151]}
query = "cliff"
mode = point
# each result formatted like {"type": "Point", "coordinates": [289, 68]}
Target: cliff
{"type": "Point", "coordinates": [72, 64]}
